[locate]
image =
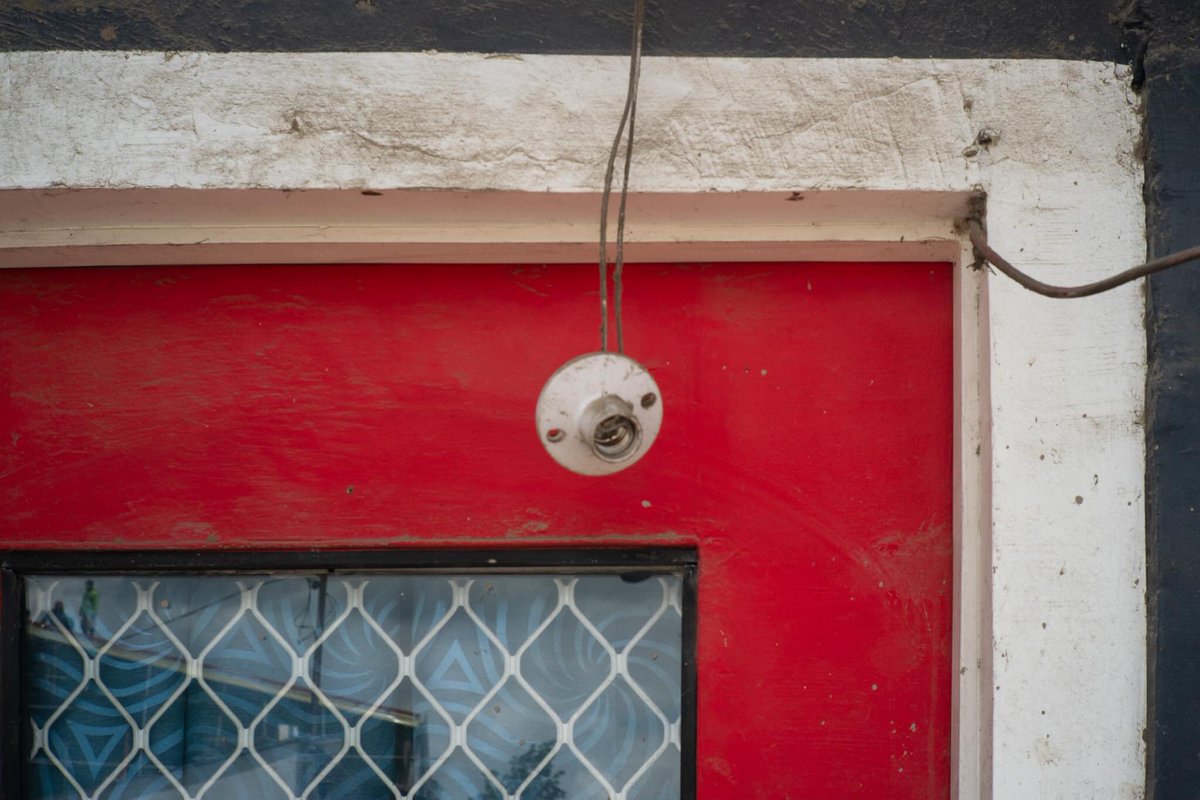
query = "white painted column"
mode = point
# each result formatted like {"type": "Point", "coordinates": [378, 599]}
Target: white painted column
{"type": "Point", "coordinates": [1067, 383]}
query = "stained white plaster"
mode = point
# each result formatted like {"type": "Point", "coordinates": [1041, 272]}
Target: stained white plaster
{"type": "Point", "coordinates": [1051, 672]}
{"type": "Point", "coordinates": [535, 123]}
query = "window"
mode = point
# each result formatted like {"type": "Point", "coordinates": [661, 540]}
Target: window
{"type": "Point", "coordinates": [550, 676]}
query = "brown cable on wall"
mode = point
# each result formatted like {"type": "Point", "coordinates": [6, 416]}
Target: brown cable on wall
{"type": "Point", "coordinates": [635, 75]}
{"type": "Point", "coordinates": [629, 115]}
{"type": "Point", "coordinates": [979, 239]}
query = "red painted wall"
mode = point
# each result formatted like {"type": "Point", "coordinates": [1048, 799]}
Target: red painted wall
{"type": "Point", "coordinates": [806, 451]}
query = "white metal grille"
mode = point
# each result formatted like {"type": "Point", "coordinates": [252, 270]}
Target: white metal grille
{"type": "Point", "coordinates": [401, 686]}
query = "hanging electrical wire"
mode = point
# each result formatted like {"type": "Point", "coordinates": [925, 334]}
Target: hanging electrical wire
{"type": "Point", "coordinates": [979, 239]}
{"type": "Point", "coordinates": [628, 118]}
{"type": "Point", "coordinates": [600, 412]}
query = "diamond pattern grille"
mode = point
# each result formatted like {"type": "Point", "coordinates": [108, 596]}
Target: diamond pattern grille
{"type": "Point", "coordinates": [354, 686]}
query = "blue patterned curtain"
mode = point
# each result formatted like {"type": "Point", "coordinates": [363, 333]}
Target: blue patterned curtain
{"type": "Point", "coordinates": [353, 686]}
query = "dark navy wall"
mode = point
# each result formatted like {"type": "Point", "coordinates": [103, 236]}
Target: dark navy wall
{"type": "Point", "coordinates": [1160, 38]}
{"type": "Point", "coordinates": [1079, 29]}
{"type": "Point", "coordinates": [1172, 94]}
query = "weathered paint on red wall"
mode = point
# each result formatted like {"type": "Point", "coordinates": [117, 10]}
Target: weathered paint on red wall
{"type": "Point", "coordinates": [806, 451]}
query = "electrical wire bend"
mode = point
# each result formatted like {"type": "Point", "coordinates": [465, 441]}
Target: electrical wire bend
{"type": "Point", "coordinates": [979, 239]}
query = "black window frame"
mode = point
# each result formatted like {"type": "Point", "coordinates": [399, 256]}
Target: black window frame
{"type": "Point", "coordinates": [15, 565]}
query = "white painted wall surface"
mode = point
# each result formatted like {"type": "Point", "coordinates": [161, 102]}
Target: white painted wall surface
{"type": "Point", "coordinates": [1051, 684]}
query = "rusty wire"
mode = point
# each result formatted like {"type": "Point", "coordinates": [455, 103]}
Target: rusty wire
{"type": "Point", "coordinates": [629, 115]}
{"type": "Point", "coordinates": [979, 239]}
